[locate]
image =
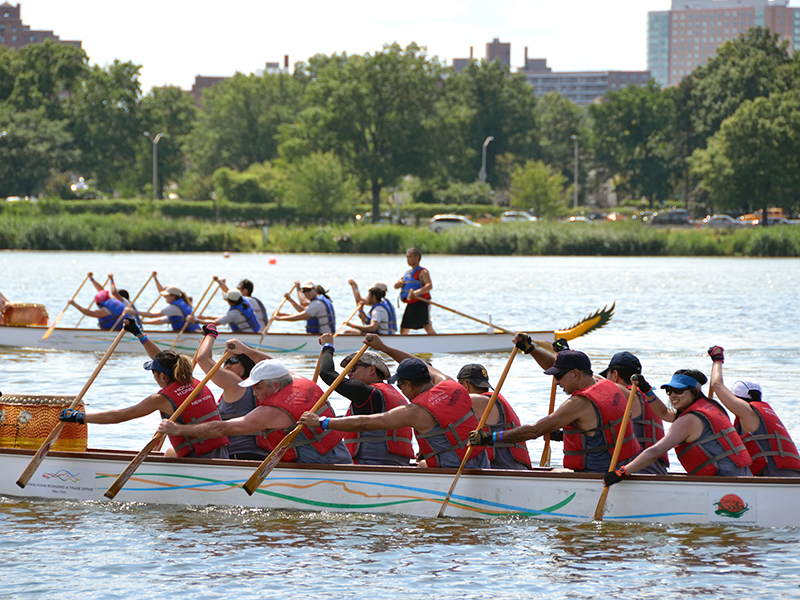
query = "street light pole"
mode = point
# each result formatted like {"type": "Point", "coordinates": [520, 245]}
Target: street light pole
{"type": "Point", "coordinates": [575, 186]}
{"type": "Point", "coordinates": [482, 173]}
{"type": "Point", "coordinates": [155, 141]}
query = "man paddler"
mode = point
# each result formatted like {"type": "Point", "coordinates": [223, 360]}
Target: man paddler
{"type": "Point", "coordinates": [245, 287]}
{"type": "Point", "coordinates": [240, 315]}
{"type": "Point", "coordinates": [282, 397]}
{"type": "Point", "coordinates": [318, 313]}
{"type": "Point", "coordinates": [440, 411]}
{"type": "Point", "coordinates": [591, 417]}
{"type": "Point", "coordinates": [413, 285]}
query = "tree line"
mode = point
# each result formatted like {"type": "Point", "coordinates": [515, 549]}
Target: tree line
{"type": "Point", "coordinates": [347, 128]}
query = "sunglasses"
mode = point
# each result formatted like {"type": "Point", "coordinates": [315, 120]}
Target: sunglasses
{"type": "Point", "coordinates": [306, 289]}
{"type": "Point", "coordinates": [233, 360]}
{"type": "Point", "coordinates": [672, 390]}
{"type": "Point", "coordinates": [560, 375]}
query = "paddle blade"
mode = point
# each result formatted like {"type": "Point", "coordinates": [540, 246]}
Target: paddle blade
{"type": "Point", "coordinates": [131, 468]}
{"type": "Point", "coordinates": [545, 460]}
{"type": "Point", "coordinates": [261, 473]}
{"type": "Point", "coordinates": [598, 512]}
{"type": "Point", "coordinates": [455, 481]}
{"type": "Point", "coordinates": [39, 456]}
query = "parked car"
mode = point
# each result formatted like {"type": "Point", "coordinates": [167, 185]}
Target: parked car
{"type": "Point", "coordinates": [517, 216]}
{"type": "Point", "coordinates": [674, 217]}
{"type": "Point", "coordinates": [441, 223]}
{"type": "Point", "coordinates": [721, 221]}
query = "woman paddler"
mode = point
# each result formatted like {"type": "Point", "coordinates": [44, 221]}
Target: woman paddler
{"type": "Point", "coordinates": [770, 446]}
{"type": "Point", "coordinates": [109, 309]}
{"type": "Point", "coordinates": [173, 373]}
{"type": "Point", "coordinates": [179, 309]}
{"type": "Point", "coordinates": [703, 437]}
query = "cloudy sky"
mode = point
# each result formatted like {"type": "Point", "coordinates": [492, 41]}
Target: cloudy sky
{"type": "Point", "coordinates": [174, 40]}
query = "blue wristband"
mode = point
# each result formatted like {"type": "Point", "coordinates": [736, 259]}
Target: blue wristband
{"type": "Point", "coordinates": [328, 346]}
{"type": "Point", "coordinates": [323, 423]}
{"type": "Point", "coordinates": [143, 339]}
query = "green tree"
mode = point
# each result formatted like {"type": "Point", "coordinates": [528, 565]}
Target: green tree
{"type": "Point", "coordinates": [753, 161]}
{"type": "Point", "coordinates": [239, 121]}
{"type": "Point", "coordinates": [631, 137]}
{"type": "Point", "coordinates": [376, 112]}
{"type": "Point", "coordinates": [538, 187]}
{"type": "Point", "coordinates": [319, 188]}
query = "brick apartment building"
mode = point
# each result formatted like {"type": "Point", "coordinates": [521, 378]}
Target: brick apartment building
{"type": "Point", "coordinates": [15, 34]}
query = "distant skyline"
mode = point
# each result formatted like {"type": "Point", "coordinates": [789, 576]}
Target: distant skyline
{"type": "Point", "coordinates": [174, 40]}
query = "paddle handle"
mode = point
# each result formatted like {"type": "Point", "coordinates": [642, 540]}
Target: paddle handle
{"type": "Point", "coordinates": [58, 318]}
{"type": "Point", "coordinates": [275, 314]}
{"type": "Point", "coordinates": [265, 468]}
{"type": "Point", "coordinates": [91, 304]}
{"type": "Point", "coordinates": [598, 513]}
{"type": "Point", "coordinates": [122, 316]}
{"type": "Point", "coordinates": [128, 472]}
{"type": "Point", "coordinates": [45, 447]}
{"type": "Point", "coordinates": [545, 460]}
{"type": "Point", "coordinates": [481, 425]}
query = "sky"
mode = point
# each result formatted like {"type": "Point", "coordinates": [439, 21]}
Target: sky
{"type": "Point", "coordinates": [175, 40]}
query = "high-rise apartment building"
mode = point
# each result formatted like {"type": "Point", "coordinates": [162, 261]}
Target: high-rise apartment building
{"type": "Point", "coordinates": [14, 34]}
{"type": "Point", "coordinates": [685, 37]}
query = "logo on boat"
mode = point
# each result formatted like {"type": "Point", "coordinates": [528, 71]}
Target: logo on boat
{"type": "Point", "coordinates": [62, 475]}
{"type": "Point", "coordinates": [731, 506]}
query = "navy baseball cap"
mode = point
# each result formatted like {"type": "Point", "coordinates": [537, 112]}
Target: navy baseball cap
{"type": "Point", "coordinates": [475, 374]}
{"type": "Point", "coordinates": [623, 359]}
{"type": "Point", "coordinates": [410, 369]}
{"type": "Point", "coordinates": [567, 361]}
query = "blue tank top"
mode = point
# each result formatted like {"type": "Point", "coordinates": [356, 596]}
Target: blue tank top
{"type": "Point", "coordinates": [241, 444]}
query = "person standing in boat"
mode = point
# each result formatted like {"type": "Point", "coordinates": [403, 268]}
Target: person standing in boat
{"type": "Point", "coordinates": [647, 424]}
{"type": "Point", "coordinates": [240, 315]}
{"type": "Point", "coordinates": [175, 314]}
{"type": "Point", "coordinates": [318, 314]}
{"type": "Point", "coordinates": [245, 287]}
{"type": "Point", "coordinates": [591, 417]}
{"type": "Point", "coordinates": [767, 440]}
{"type": "Point", "coordinates": [369, 394]}
{"type": "Point", "coordinates": [173, 373]}
{"type": "Point", "coordinates": [440, 411]}
{"type": "Point", "coordinates": [281, 397]}
{"type": "Point", "coordinates": [704, 439]}
{"type": "Point", "coordinates": [415, 284]}
{"type": "Point", "coordinates": [475, 379]}
{"type": "Point", "coordinates": [382, 318]}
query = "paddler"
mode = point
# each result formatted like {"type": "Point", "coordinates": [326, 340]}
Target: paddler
{"type": "Point", "coordinates": [240, 315]}
{"type": "Point", "coordinates": [282, 397]}
{"type": "Point", "coordinates": [110, 309]}
{"type": "Point", "coordinates": [369, 394]}
{"type": "Point", "coordinates": [173, 374]}
{"type": "Point", "coordinates": [591, 417]}
{"type": "Point", "coordinates": [175, 314]}
{"type": "Point", "coordinates": [767, 440]}
{"type": "Point", "coordinates": [413, 285]}
{"type": "Point", "coordinates": [475, 379]}
{"type": "Point", "coordinates": [245, 286]}
{"type": "Point", "coordinates": [318, 313]}
{"type": "Point", "coordinates": [704, 439]}
{"type": "Point", "coordinates": [382, 318]}
{"type": "Point", "coordinates": [440, 411]}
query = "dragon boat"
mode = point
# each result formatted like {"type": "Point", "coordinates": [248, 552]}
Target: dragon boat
{"type": "Point", "coordinates": [549, 494]}
{"type": "Point", "coordinates": [95, 340]}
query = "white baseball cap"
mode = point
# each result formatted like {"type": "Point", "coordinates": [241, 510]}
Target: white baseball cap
{"type": "Point", "coordinates": [265, 370]}
{"type": "Point", "coordinates": [743, 387]}
{"type": "Point", "coordinates": [233, 295]}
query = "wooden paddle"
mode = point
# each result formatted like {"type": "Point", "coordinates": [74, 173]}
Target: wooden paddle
{"type": "Point", "coordinates": [481, 425]}
{"type": "Point", "coordinates": [139, 458]}
{"type": "Point", "coordinates": [275, 314]}
{"type": "Point", "coordinates": [91, 304]}
{"type": "Point", "coordinates": [186, 320]}
{"type": "Point", "coordinates": [122, 316]}
{"type": "Point", "coordinates": [45, 447]}
{"type": "Point", "coordinates": [265, 468]}
{"type": "Point", "coordinates": [210, 298]}
{"type": "Point", "coordinates": [339, 331]}
{"type": "Point", "coordinates": [598, 513]}
{"type": "Point", "coordinates": [58, 318]}
{"type": "Point", "coordinates": [545, 460]}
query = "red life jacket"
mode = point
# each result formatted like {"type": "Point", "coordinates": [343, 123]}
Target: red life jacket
{"type": "Point", "coordinates": [203, 408]}
{"type": "Point", "coordinates": [508, 420]}
{"type": "Point", "coordinates": [781, 447]}
{"type": "Point", "coordinates": [398, 441]}
{"type": "Point", "coordinates": [694, 458]}
{"type": "Point", "coordinates": [449, 403]}
{"type": "Point", "coordinates": [652, 425]}
{"type": "Point", "coordinates": [610, 403]}
{"type": "Point", "coordinates": [296, 398]}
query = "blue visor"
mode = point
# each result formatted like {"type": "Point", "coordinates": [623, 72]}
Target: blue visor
{"type": "Point", "coordinates": [154, 365]}
{"type": "Point", "coordinates": [682, 381]}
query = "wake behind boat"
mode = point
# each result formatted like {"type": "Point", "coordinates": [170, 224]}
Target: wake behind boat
{"type": "Point", "coordinates": [541, 494]}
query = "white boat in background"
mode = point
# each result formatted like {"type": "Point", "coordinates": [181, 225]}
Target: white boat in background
{"type": "Point", "coordinates": [541, 494]}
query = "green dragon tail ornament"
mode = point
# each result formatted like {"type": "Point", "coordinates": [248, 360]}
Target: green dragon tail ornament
{"type": "Point", "coordinates": [587, 325]}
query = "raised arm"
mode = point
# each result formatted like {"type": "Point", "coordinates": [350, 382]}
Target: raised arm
{"type": "Point", "coordinates": [373, 340]}
{"type": "Point", "coordinates": [741, 408]}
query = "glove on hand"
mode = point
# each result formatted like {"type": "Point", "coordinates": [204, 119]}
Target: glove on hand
{"type": "Point", "coordinates": [131, 326]}
{"type": "Point", "coordinates": [613, 477]}
{"type": "Point", "coordinates": [642, 385]}
{"type": "Point", "coordinates": [480, 437]}
{"type": "Point", "coordinates": [70, 415]}
{"type": "Point", "coordinates": [524, 344]}
{"type": "Point", "coordinates": [560, 345]}
{"type": "Point", "coordinates": [557, 435]}
{"type": "Point", "coordinates": [210, 329]}
{"type": "Point", "coordinates": [717, 354]}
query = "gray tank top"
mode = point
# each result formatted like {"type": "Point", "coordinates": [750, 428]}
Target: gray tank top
{"type": "Point", "coordinates": [241, 444]}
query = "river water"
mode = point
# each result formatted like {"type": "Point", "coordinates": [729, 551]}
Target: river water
{"type": "Point", "coordinates": [668, 312]}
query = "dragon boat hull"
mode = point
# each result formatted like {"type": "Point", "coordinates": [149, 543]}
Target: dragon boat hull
{"type": "Point", "coordinates": [541, 494]}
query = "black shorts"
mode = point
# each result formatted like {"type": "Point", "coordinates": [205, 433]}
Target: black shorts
{"type": "Point", "coordinates": [416, 316]}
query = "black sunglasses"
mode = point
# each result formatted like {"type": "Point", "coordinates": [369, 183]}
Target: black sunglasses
{"type": "Point", "coordinates": [233, 360]}
{"type": "Point", "coordinates": [672, 390]}
{"type": "Point", "coordinates": [306, 289]}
